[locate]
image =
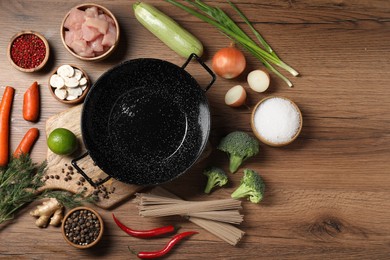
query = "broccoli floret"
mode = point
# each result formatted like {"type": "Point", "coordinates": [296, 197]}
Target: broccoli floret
{"type": "Point", "coordinates": [216, 177]}
{"type": "Point", "coordinates": [251, 186]}
{"type": "Point", "coordinates": [239, 146]}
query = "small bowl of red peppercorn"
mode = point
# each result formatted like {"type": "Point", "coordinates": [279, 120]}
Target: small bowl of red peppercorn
{"type": "Point", "coordinates": [82, 227]}
{"type": "Point", "coordinates": [28, 51]}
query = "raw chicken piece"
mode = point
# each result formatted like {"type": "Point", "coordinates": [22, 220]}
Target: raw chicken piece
{"type": "Point", "coordinates": [109, 38]}
{"type": "Point", "coordinates": [72, 35]}
{"type": "Point", "coordinates": [81, 48]}
{"type": "Point", "coordinates": [99, 24]}
{"type": "Point", "coordinates": [87, 54]}
{"type": "Point", "coordinates": [78, 46]}
{"type": "Point", "coordinates": [96, 45]}
{"type": "Point", "coordinates": [105, 49]}
{"type": "Point", "coordinates": [69, 37]}
{"type": "Point", "coordinates": [107, 18]}
{"type": "Point", "coordinates": [89, 33]}
{"type": "Point", "coordinates": [77, 34]}
{"type": "Point", "coordinates": [91, 12]}
{"type": "Point", "coordinates": [75, 18]}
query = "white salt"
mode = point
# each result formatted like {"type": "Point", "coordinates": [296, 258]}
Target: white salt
{"type": "Point", "coordinates": [277, 120]}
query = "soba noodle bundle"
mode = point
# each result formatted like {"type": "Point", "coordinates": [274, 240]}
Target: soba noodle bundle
{"type": "Point", "coordinates": [215, 216]}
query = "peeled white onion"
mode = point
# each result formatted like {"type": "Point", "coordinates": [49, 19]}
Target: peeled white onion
{"type": "Point", "coordinates": [235, 96]}
{"type": "Point", "coordinates": [258, 80]}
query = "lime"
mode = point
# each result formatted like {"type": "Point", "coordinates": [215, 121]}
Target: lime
{"type": "Point", "coordinates": [62, 141]}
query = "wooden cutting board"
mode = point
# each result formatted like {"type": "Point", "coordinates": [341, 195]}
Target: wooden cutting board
{"type": "Point", "coordinates": [62, 176]}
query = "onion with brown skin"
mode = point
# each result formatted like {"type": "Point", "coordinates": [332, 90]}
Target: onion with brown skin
{"type": "Point", "coordinates": [229, 62]}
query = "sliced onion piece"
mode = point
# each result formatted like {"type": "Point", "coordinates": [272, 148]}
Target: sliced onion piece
{"type": "Point", "coordinates": [235, 96]}
{"type": "Point", "coordinates": [258, 80]}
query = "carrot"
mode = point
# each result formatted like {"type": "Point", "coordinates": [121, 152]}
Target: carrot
{"type": "Point", "coordinates": [27, 142]}
{"type": "Point", "coordinates": [31, 103]}
{"type": "Point", "coordinates": [5, 113]}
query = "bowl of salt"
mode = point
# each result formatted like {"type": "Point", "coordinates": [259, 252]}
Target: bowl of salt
{"type": "Point", "coordinates": [276, 121]}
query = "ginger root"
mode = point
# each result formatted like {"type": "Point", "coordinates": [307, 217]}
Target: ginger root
{"type": "Point", "coordinates": [49, 209]}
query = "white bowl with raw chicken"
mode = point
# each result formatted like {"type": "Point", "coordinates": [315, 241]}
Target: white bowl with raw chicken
{"type": "Point", "coordinates": [90, 32]}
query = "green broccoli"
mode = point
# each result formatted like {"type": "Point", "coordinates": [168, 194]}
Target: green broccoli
{"type": "Point", "coordinates": [239, 146]}
{"type": "Point", "coordinates": [251, 186]}
{"type": "Point", "coordinates": [216, 176]}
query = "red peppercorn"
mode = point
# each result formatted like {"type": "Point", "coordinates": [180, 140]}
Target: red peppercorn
{"type": "Point", "coordinates": [28, 51]}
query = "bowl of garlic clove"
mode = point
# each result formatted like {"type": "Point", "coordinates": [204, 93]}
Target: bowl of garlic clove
{"type": "Point", "coordinates": [69, 84]}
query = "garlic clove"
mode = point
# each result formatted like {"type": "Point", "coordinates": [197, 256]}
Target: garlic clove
{"type": "Point", "coordinates": [83, 81]}
{"type": "Point", "coordinates": [65, 71]}
{"type": "Point", "coordinates": [61, 93]}
{"type": "Point", "coordinates": [78, 74]}
{"type": "Point", "coordinates": [71, 97]}
{"type": "Point", "coordinates": [71, 82]}
{"type": "Point", "coordinates": [57, 81]}
{"type": "Point", "coordinates": [75, 91]}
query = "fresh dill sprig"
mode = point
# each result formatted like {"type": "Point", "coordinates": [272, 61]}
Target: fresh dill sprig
{"type": "Point", "coordinates": [20, 181]}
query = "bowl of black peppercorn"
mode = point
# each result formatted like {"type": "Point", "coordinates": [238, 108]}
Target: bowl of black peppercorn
{"type": "Point", "coordinates": [82, 227]}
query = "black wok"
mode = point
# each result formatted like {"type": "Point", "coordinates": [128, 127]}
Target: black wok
{"type": "Point", "coordinates": [145, 121]}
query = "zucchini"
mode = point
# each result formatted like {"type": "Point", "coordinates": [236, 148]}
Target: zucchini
{"type": "Point", "coordinates": [167, 30]}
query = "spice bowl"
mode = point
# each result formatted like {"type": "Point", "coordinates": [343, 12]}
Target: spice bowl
{"type": "Point", "coordinates": [28, 51]}
{"type": "Point", "coordinates": [69, 84]}
{"type": "Point", "coordinates": [82, 227]}
{"type": "Point", "coordinates": [276, 121]}
{"type": "Point", "coordinates": [99, 37]}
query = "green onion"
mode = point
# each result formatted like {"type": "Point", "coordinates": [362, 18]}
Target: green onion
{"type": "Point", "coordinates": [256, 33]}
{"type": "Point", "coordinates": [219, 19]}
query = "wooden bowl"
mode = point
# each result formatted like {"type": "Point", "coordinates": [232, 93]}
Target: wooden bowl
{"type": "Point", "coordinates": [101, 231]}
{"type": "Point", "coordinates": [80, 98]}
{"type": "Point", "coordinates": [44, 61]}
{"type": "Point", "coordinates": [261, 137]}
{"type": "Point", "coordinates": [105, 54]}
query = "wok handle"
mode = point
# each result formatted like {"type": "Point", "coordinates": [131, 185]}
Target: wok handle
{"type": "Point", "coordinates": [213, 77]}
{"type": "Point", "coordinates": [94, 184]}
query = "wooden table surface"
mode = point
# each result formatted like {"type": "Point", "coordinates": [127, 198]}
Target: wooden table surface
{"type": "Point", "coordinates": [327, 194]}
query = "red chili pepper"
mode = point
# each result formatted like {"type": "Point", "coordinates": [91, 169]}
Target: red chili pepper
{"type": "Point", "coordinates": [145, 233]}
{"type": "Point", "coordinates": [166, 249]}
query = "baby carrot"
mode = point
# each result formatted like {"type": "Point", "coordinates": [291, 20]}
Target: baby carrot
{"type": "Point", "coordinates": [31, 103]}
{"type": "Point", "coordinates": [27, 142]}
{"type": "Point", "coordinates": [5, 113]}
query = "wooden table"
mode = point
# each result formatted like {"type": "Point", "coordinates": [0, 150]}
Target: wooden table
{"type": "Point", "coordinates": [327, 193]}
